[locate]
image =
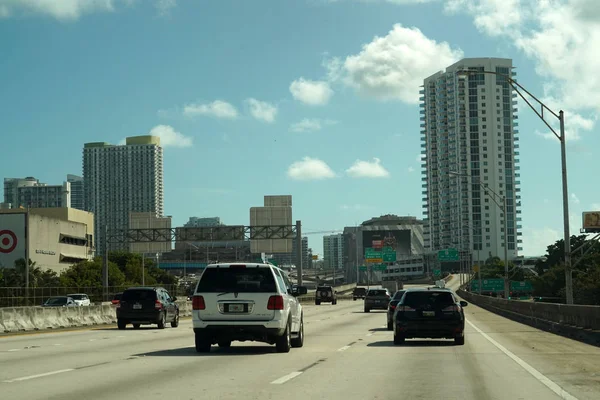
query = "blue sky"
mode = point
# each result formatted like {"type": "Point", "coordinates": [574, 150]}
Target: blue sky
{"type": "Point", "coordinates": [314, 98]}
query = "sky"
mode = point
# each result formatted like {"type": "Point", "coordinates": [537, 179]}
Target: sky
{"type": "Point", "coordinates": [313, 98]}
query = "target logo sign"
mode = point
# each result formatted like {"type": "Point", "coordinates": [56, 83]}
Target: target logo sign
{"type": "Point", "coordinates": [8, 241]}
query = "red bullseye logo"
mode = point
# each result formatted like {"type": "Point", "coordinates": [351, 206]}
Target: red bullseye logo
{"type": "Point", "coordinates": [8, 241]}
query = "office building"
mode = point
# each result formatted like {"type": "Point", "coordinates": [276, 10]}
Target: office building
{"type": "Point", "coordinates": [469, 149]}
{"type": "Point", "coordinates": [149, 220]}
{"type": "Point", "coordinates": [333, 251]}
{"type": "Point", "coordinates": [76, 191]}
{"type": "Point", "coordinates": [30, 192]}
{"type": "Point", "coordinates": [195, 222]}
{"type": "Point", "coordinates": [53, 238]}
{"type": "Point", "coordinates": [118, 180]}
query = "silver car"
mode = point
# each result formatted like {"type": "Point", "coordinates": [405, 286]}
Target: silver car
{"type": "Point", "coordinates": [377, 299]}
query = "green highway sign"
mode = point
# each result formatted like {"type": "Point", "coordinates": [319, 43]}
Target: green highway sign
{"type": "Point", "coordinates": [388, 254]}
{"type": "Point", "coordinates": [273, 261]}
{"type": "Point", "coordinates": [448, 255]}
{"type": "Point", "coordinates": [380, 267]}
{"type": "Point", "coordinates": [437, 272]}
{"type": "Point", "coordinates": [372, 255]}
{"type": "Point", "coordinates": [488, 285]}
{"type": "Point", "coordinates": [363, 268]}
{"type": "Point", "coordinates": [521, 286]}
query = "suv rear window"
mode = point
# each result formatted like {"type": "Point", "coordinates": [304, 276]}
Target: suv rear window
{"type": "Point", "coordinates": [237, 280]}
{"type": "Point", "coordinates": [399, 294]}
{"type": "Point", "coordinates": [435, 299]}
{"type": "Point", "coordinates": [138, 294]}
{"type": "Point", "coordinates": [377, 292]}
{"type": "Point", "coordinates": [324, 288]}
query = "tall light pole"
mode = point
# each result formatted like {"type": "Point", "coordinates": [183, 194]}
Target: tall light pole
{"type": "Point", "coordinates": [563, 153]}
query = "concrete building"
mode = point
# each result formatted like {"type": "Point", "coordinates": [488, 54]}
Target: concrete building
{"type": "Point", "coordinates": [30, 192]}
{"type": "Point", "coordinates": [404, 234]}
{"type": "Point", "coordinates": [121, 179]}
{"type": "Point", "coordinates": [333, 251]}
{"type": "Point", "coordinates": [276, 211]}
{"type": "Point", "coordinates": [305, 253]}
{"type": "Point", "coordinates": [469, 141]}
{"type": "Point", "coordinates": [196, 222]}
{"type": "Point", "coordinates": [76, 191]}
{"type": "Point", "coordinates": [53, 238]}
{"type": "Point", "coordinates": [149, 220]}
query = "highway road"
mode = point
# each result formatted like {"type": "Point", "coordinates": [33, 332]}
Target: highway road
{"type": "Point", "coordinates": [348, 354]}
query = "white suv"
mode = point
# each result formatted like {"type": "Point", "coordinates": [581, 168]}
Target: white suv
{"type": "Point", "coordinates": [255, 302]}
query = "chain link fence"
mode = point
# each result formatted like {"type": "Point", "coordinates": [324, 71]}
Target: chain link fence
{"type": "Point", "coordinates": [35, 296]}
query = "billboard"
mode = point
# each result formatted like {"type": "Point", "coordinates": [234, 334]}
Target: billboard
{"type": "Point", "coordinates": [591, 221]}
{"type": "Point", "coordinates": [398, 240]}
{"type": "Point", "coordinates": [12, 239]}
{"type": "Point", "coordinates": [264, 240]}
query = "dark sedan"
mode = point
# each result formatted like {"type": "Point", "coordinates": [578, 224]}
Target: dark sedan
{"type": "Point", "coordinates": [392, 308]}
{"type": "Point", "coordinates": [429, 313]}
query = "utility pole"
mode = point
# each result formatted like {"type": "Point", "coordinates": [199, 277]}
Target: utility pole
{"type": "Point", "coordinates": [105, 266]}
{"type": "Point", "coordinates": [299, 251]}
{"type": "Point", "coordinates": [27, 243]}
{"type": "Point", "coordinates": [506, 278]}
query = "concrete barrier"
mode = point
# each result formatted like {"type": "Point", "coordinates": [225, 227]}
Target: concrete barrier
{"type": "Point", "coordinates": [577, 322]}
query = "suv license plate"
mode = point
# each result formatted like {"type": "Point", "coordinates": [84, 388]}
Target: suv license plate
{"type": "Point", "coordinates": [429, 313]}
{"type": "Point", "coordinates": [137, 306]}
{"type": "Point", "coordinates": [236, 308]}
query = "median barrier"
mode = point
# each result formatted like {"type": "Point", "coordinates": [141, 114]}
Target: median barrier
{"type": "Point", "coordinates": [18, 319]}
{"type": "Point", "coordinates": [579, 322]}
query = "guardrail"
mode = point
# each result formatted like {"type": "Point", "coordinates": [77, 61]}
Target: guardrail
{"type": "Point", "coordinates": [578, 322]}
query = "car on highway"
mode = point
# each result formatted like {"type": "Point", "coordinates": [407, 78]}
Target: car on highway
{"type": "Point", "coordinates": [247, 302]}
{"type": "Point", "coordinates": [377, 299]}
{"type": "Point", "coordinates": [59, 301]}
{"type": "Point", "coordinates": [359, 293]}
{"type": "Point", "coordinates": [429, 313]}
{"type": "Point", "coordinates": [392, 308]}
{"type": "Point", "coordinates": [81, 299]}
{"type": "Point", "coordinates": [147, 306]}
{"type": "Point", "coordinates": [325, 294]}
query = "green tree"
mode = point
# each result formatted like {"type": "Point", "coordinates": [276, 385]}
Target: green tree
{"type": "Point", "coordinates": [89, 274]}
{"type": "Point", "coordinates": [493, 268]}
{"type": "Point", "coordinates": [15, 277]}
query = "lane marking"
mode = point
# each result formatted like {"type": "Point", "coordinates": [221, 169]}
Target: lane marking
{"type": "Point", "coordinates": [286, 378]}
{"type": "Point", "coordinates": [369, 334]}
{"type": "Point", "coordinates": [534, 372]}
{"type": "Point", "coordinates": [343, 348]}
{"type": "Point", "coordinates": [14, 350]}
{"type": "Point", "coordinates": [26, 378]}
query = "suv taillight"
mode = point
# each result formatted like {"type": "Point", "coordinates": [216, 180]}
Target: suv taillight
{"type": "Point", "coordinates": [198, 303]}
{"type": "Point", "coordinates": [454, 308]}
{"type": "Point", "coordinates": [275, 303]}
{"type": "Point", "coordinates": [158, 305]}
{"type": "Point", "coordinates": [405, 308]}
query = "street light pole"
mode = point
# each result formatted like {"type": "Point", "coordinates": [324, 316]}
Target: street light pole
{"type": "Point", "coordinates": [506, 279]}
{"type": "Point", "coordinates": [565, 195]}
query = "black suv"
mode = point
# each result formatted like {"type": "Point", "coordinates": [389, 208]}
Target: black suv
{"type": "Point", "coordinates": [325, 294]}
{"type": "Point", "coordinates": [429, 313]}
{"type": "Point", "coordinates": [359, 293]}
{"type": "Point", "coordinates": [147, 305]}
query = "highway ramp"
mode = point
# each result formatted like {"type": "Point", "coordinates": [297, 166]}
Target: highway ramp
{"type": "Point", "coordinates": [347, 354]}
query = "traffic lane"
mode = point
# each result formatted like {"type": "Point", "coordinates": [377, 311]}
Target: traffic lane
{"type": "Point", "coordinates": [176, 370]}
{"type": "Point", "coordinates": [420, 369]}
{"type": "Point", "coordinates": [38, 354]}
{"type": "Point", "coordinates": [573, 365]}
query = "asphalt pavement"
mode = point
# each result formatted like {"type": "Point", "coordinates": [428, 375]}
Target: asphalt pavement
{"type": "Point", "coordinates": [347, 354]}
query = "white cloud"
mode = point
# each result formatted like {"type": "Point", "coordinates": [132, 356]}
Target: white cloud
{"type": "Point", "coordinates": [310, 125]}
{"type": "Point", "coordinates": [536, 241]}
{"type": "Point", "coordinates": [164, 6]}
{"type": "Point", "coordinates": [310, 169]}
{"type": "Point", "coordinates": [394, 66]}
{"type": "Point", "coordinates": [314, 93]}
{"type": "Point", "coordinates": [411, 169]}
{"type": "Point", "coordinates": [261, 110]}
{"type": "Point", "coordinates": [218, 109]}
{"type": "Point", "coordinates": [575, 198]}
{"type": "Point", "coordinates": [561, 36]}
{"type": "Point", "coordinates": [59, 9]}
{"type": "Point", "coordinates": [366, 169]}
{"type": "Point", "coordinates": [169, 137]}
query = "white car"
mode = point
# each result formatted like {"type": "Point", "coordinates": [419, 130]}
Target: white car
{"type": "Point", "coordinates": [247, 302]}
{"type": "Point", "coordinates": [81, 299]}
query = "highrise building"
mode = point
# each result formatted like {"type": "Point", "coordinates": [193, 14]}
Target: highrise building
{"type": "Point", "coordinates": [121, 179]}
{"type": "Point", "coordinates": [333, 251]}
{"type": "Point", "coordinates": [469, 149]}
{"type": "Point", "coordinates": [76, 191]}
{"type": "Point", "coordinates": [30, 192]}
